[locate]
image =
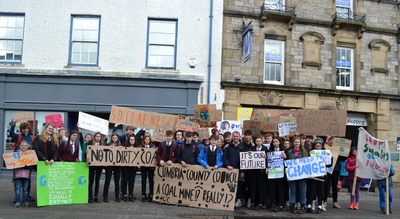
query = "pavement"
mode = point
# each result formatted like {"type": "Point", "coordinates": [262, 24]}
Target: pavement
{"type": "Point", "coordinates": [369, 208]}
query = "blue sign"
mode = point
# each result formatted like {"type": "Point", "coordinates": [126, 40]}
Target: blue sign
{"type": "Point", "coordinates": [247, 42]}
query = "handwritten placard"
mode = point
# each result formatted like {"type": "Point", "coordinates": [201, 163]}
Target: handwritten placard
{"type": "Point", "coordinates": [216, 115]}
{"type": "Point", "coordinates": [62, 183]}
{"type": "Point", "coordinates": [252, 160]}
{"type": "Point", "coordinates": [343, 145]}
{"type": "Point", "coordinates": [121, 156]}
{"type": "Point", "coordinates": [20, 159]}
{"type": "Point", "coordinates": [203, 133]}
{"type": "Point", "coordinates": [159, 136]}
{"type": "Point", "coordinates": [275, 165]}
{"type": "Point", "coordinates": [306, 167]}
{"type": "Point", "coordinates": [168, 126]}
{"type": "Point", "coordinates": [253, 126]}
{"type": "Point", "coordinates": [196, 186]}
{"type": "Point", "coordinates": [244, 114]}
{"type": "Point", "coordinates": [326, 154]}
{"type": "Point", "coordinates": [25, 116]}
{"type": "Point", "coordinates": [92, 123]}
{"type": "Point", "coordinates": [286, 129]}
{"type": "Point", "coordinates": [186, 123]}
{"type": "Point", "coordinates": [322, 122]}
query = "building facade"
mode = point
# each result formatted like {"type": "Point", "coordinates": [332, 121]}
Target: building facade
{"type": "Point", "coordinates": [73, 56]}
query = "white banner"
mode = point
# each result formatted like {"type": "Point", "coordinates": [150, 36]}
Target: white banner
{"type": "Point", "coordinates": [286, 129]}
{"type": "Point", "coordinates": [327, 154]}
{"type": "Point", "coordinates": [252, 160]}
{"type": "Point", "coordinates": [275, 165]}
{"type": "Point", "coordinates": [373, 156]}
{"type": "Point", "coordinates": [230, 126]}
{"type": "Point", "coordinates": [92, 123]}
{"type": "Point", "coordinates": [306, 167]}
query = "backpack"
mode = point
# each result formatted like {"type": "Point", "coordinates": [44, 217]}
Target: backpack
{"type": "Point", "coordinates": [163, 145]}
{"type": "Point", "coordinates": [19, 141]}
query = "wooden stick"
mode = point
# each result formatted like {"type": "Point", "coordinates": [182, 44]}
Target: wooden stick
{"type": "Point", "coordinates": [354, 181]}
{"type": "Point", "coordinates": [387, 196]}
{"type": "Point", "coordinates": [322, 180]}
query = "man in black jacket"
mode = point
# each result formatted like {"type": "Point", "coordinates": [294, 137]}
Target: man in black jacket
{"type": "Point", "coordinates": [129, 131]}
{"type": "Point", "coordinates": [188, 152]}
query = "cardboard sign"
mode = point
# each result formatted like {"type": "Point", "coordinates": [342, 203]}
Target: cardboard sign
{"type": "Point", "coordinates": [207, 124]}
{"type": "Point", "coordinates": [203, 112]}
{"type": "Point", "coordinates": [25, 116]}
{"type": "Point", "coordinates": [244, 114]}
{"type": "Point", "coordinates": [196, 186]}
{"type": "Point", "coordinates": [230, 126]}
{"type": "Point", "coordinates": [253, 126]}
{"type": "Point", "coordinates": [92, 123]}
{"type": "Point", "coordinates": [275, 165]}
{"type": "Point", "coordinates": [55, 119]}
{"type": "Point", "coordinates": [20, 159]}
{"type": "Point", "coordinates": [62, 183]}
{"type": "Point", "coordinates": [306, 167]}
{"type": "Point", "coordinates": [326, 154]}
{"type": "Point", "coordinates": [335, 154]}
{"type": "Point", "coordinates": [159, 136]}
{"type": "Point", "coordinates": [270, 124]}
{"type": "Point", "coordinates": [117, 156]}
{"type": "Point", "coordinates": [216, 115]}
{"type": "Point", "coordinates": [343, 145]}
{"type": "Point", "coordinates": [203, 133]}
{"type": "Point", "coordinates": [168, 126]}
{"type": "Point", "coordinates": [322, 122]}
{"type": "Point", "coordinates": [186, 123]}
{"type": "Point", "coordinates": [260, 113]}
{"type": "Point", "coordinates": [252, 160]}
{"type": "Point", "coordinates": [286, 129]}
{"type": "Point", "coordinates": [138, 118]}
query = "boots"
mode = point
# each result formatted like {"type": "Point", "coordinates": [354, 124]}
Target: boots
{"type": "Point", "coordinates": [302, 209]}
{"type": "Point", "coordinates": [293, 208]}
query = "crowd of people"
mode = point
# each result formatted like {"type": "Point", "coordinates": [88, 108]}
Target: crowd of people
{"type": "Point", "coordinates": [254, 189]}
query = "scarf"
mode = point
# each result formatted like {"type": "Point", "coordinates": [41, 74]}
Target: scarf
{"type": "Point", "coordinates": [296, 152]}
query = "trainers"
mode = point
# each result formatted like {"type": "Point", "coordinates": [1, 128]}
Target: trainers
{"type": "Point", "coordinates": [336, 205]}
{"type": "Point", "coordinates": [238, 204]}
{"type": "Point", "coordinates": [313, 207]}
{"type": "Point", "coordinates": [26, 204]}
{"type": "Point", "coordinates": [351, 206]}
{"type": "Point", "coordinates": [323, 208]}
{"type": "Point", "coordinates": [17, 205]}
{"type": "Point", "coordinates": [356, 207]}
{"type": "Point", "coordinates": [383, 211]}
{"type": "Point", "coordinates": [325, 204]}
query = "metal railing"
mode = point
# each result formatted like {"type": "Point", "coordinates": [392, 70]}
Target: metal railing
{"type": "Point", "coordinates": [278, 8]}
{"type": "Point", "coordinates": [348, 15]}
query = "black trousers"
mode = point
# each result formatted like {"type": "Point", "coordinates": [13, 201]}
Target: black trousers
{"type": "Point", "coordinates": [285, 189]}
{"type": "Point", "coordinates": [147, 172]}
{"type": "Point", "coordinates": [117, 175]}
{"type": "Point", "coordinates": [276, 191]}
{"type": "Point", "coordinates": [94, 171]}
{"type": "Point", "coordinates": [334, 177]}
{"type": "Point", "coordinates": [317, 190]}
{"type": "Point", "coordinates": [257, 181]}
{"type": "Point", "coordinates": [128, 180]}
{"type": "Point", "coordinates": [309, 187]}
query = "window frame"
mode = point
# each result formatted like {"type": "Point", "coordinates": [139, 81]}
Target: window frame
{"type": "Point", "coordinates": [148, 42]}
{"type": "Point", "coordinates": [22, 39]}
{"type": "Point", "coordinates": [282, 81]}
{"type": "Point", "coordinates": [351, 87]}
{"type": "Point", "coordinates": [71, 40]}
{"type": "Point", "coordinates": [350, 15]}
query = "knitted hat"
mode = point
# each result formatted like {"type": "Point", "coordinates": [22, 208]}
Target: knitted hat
{"type": "Point", "coordinates": [66, 132]}
{"type": "Point", "coordinates": [319, 140]}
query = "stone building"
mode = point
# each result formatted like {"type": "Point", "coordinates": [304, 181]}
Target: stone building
{"type": "Point", "coordinates": [315, 54]}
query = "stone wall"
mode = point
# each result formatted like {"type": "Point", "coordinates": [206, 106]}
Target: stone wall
{"type": "Point", "coordinates": [379, 15]}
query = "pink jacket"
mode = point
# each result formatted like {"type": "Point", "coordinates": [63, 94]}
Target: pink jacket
{"type": "Point", "coordinates": [351, 167]}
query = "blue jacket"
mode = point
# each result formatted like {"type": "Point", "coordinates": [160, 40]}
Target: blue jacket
{"type": "Point", "coordinates": [383, 181]}
{"type": "Point", "coordinates": [199, 144]}
{"type": "Point", "coordinates": [202, 157]}
{"type": "Point", "coordinates": [14, 135]}
{"type": "Point", "coordinates": [343, 171]}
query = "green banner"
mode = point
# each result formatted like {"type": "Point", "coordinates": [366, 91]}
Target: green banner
{"type": "Point", "coordinates": [62, 183]}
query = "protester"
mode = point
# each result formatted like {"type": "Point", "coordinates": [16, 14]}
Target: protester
{"type": "Point", "coordinates": [287, 145]}
{"type": "Point", "coordinates": [69, 150]}
{"type": "Point", "coordinates": [197, 142]}
{"type": "Point", "coordinates": [206, 142]}
{"type": "Point", "coordinates": [147, 172]}
{"type": "Point", "coordinates": [21, 178]}
{"type": "Point", "coordinates": [187, 152]}
{"type": "Point", "coordinates": [220, 143]}
{"type": "Point", "coordinates": [227, 139]}
{"type": "Point", "coordinates": [129, 131]}
{"type": "Point", "coordinates": [95, 171]}
{"type": "Point", "coordinates": [83, 143]}
{"type": "Point", "coordinates": [331, 180]}
{"type": "Point", "coordinates": [276, 185]}
{"type": "Point", "coordinates": [25, 133]}
{"type": "Point", "coordinates": [382, 191]}
{"type": "Point", "coordinates": [221, 137]}
{"type": "Point", "coordinates": [211, 155]}
{"type": "Point", "coordinates": [179, 137]}
{"type": "Point", "coordinates": [129, 173]}
{"type": "Point", "coordinates": [46, 145]}
{"type": "Point", "coordinates": [268, 140]}
{"type": "Point", "coordinates": [308, 143]}
{"type": "Point", "coordinates": [166, 153]}
{"type": "Point", "coordinates": [351, 168]}
{"type": "Point", "coordinates": [110, 170]}
{"type": "Point", "coordinates": [62, 135]}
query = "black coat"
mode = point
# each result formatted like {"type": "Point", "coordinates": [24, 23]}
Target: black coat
{"type": "Point", "coordinates": [232, 155]}
{"type": "Point", "coordinates": [39, 149]}
{"type": "Point", "coordinates": [266, 150]}
{"type": "Point", "coordinates": [188, 153]}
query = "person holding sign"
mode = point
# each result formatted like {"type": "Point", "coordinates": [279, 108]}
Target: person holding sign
{"type": "Point", "coordinates": [211, 155]}
{"type": "Point", "coordinates": [351, 168]}
{"type": "Point", "coordinates": [276, 185]}
{"type": "Point", "coordinates": [109, 170]}
{"type": "Point", "coordinates": [187, 153]}
{"type": "Point", "coordinates": [129, 173]}
{"type": "Point", "coordinates": [69, 150]}
{"type": "Point", "coordinates": [129, 132]}
{"type": "Point", "coordinates": [179, 137]}
{"type": "Point", "coordinates": [165, 152]}
{"type": "Point", "coordinates": [22, 178]}
{"type": "Point", "coordinates": [197, 142]}
{"type": "Point", "coordinates": [46, 145]}
{"type": "Point", "coordinates": [95, 170]}
{"type": "Point", "coordinates": [382, 191]}
{"type": "Point", "coordinates": [147, 172]}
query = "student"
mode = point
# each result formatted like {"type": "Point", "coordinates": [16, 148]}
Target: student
{"type": "Point", "coordinates": [165, 153]}
{"type": "Point", "coordinates": [303, 139]}
{"type": "Point", "coordinates": [351, 168]}
{"type": "Point", "coordinates": [219, 142]}
{"type": "Point", "coordinates": [247, 141]}
{"type": "Point", "coordinates": [297, 186]}
{"type": "Point", "coordinates": [69, 150]}
{"type": "Point", "coordinates": [109, 171]}
{"type": "Point", "coordinates": [147, 172]}
{"type": "Point", "coordinates": [268, 140]}
{"type": "Point", "coordinates": [25, 133]}
{"type": "Point", "coordinates": [227, 140]}
{"type": "Point", "coordinates": [94, 171]}
{"type": "Point", "coordinates": [221, 137]}
{"type": "Point", "coordinates": [197, 142]}
{"type": "Point", "coordinates": [287, 145]}
{"type": "Point", "coordinates": [61, 134]}
{"type": "Point", "coordinates": [211, 155]}
{"type": "Point", "coordinates": [83, 143]}
{"type": "Point", "coordinates": [231, 160]}
{"type": "Point", "coordinates": [206, 142]}
{"type": "Point", "coordinates": [258, 178]}
{"type": "Point", "coordinates": [46, 145]}
{"type": "Point", "coordinates": [21, 178]}
{"type": "Point", "coordinates": [129, 131]}
{"type": "Point", "coordinates": [187, 153]}
{"type": "Point", "coordinates": [382, 191]}
{"type": "Point", "coordinates": [276, 185]}
{"type": "Point", "coordinates": [308, 143]}
{"type": "Point", "coordinates": [129, 173]}
{"type": "Point", "coordinates": [179, 138]}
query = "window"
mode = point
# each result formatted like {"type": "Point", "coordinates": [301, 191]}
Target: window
{"type": "Point", "coordinates": [274, 4]}
{"type": "Point", "coordinates": [84, 45]}
{"type": "Point", "coordinates": [161, 43]}
{"type": "Point", "coordinates": [11, 37]}
{"type": "Point", "coordinates": [344, 68]}
{"type": "Point", "coordinates": [344, 9]}
{"type": "Point", "coordinates": [274, 61]}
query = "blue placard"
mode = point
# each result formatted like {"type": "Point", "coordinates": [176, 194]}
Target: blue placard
{"type": "Point", "coordinates": [343, 64]}
{"type": "Point", "coordinates": [273, 57]}
{"type": "Point", "coordinates": [348, 64]}
{"type": "Point", "coordinates": [337, 63]}
{"type": "Point", "coordinates": [278, 58]}
{"type": "Point", "coordinates": [247, 43]}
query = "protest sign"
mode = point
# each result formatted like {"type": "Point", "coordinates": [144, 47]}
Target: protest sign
{"type": "Point", "coordinates": [244, 114]}
{"type": "Point", "coordinates": [203, 112]}
{"type": "Point", "coordinates": [121, 156]}
{"type": "Point", "coordinates": [138, 118]}
{"type": "Point", "coordinates": [286, 129]}
{"type": "Point", "coordinates": [322, 122]}
{"type": "Point", "coordinates": [25, 116]}
{"type": "Point", "coordinates": [252, 160]}
{"type": "Point", "coordinates": [326, 154]}
{"type": "Point", "coordinates": [373, 156]}
{"type": "Point", "coordinates": [275, 165]}
{"type": "Point", "coordinates": [203, 133]}
{"type": "Point", "coordinates": [62, 183]}
{"type": "Point", "coordinates": [20, 159]}
{"type": "Point", "coordinates": [259, 113]}
{"type": "Point", "coordinates": [253, 126]}
{"type": "Point", "coordinates": [159, 136]}
{"type": "Point", "coordinates": [306, 167]}
{"type": "Point", "coordinates": [186, 123]}
{"type": "Point", "coordinates": [168, 126]}
{"type": "Point", "coordinates": [216, 115]}
{"type": "Point", "coordinates": [55, 119]}
{"type": "Point", "coordinates": [270, 124]}
{"type": "Point", "coordinates": [230, 126]}
{"type": "Point", "coordinates": [335, 154]}
{"type": "Point", "coordinates": [92, 123]}
{"type": "Point", "coordinates": [343, 145]}
{"type": "Point", "coordinates": [196, 186]}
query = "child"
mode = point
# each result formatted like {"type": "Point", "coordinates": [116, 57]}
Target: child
{"type": "Point", "coordinates": [69, 150]}
{"type": "Point", "coordinates": [227, 139]}
{"type": "Point", "coordinates": [21, 178]}
{"type": "Point", "coordinates": [109, 170]}
{"type": "Point", "coordinates": [187, 153]}
{"type": "Point", "coordinates": [196, 141]}
{"type": "Point", "coordinates": [211, 155]}
{"type": "Point", "coordinates": [268, 140]}
{"type": "Point", "coordinates": [46, 145]}
{"type": "Point", "coordinates": [129, 132]}
{"type": "Point", "coordinates": [94, 170]}
{"type": "Point", "coordinates": [179, 138]}
{"type": "Point", "coordinates": [287, 145]}
{"type": "Point", "coordinates": [382, 191]}
{"type": "Point", "coordinates": [129, 173]}
{"type": "Point", "coordinates": [219, 142]}
{"type": "Point", "coordinates": [206, 142]}
{"type": "Point", "coordinates": [166, 153]}
{"type": "Point", "coordinates": [351, 168]}
{"type": "Point", "coordinates": [276, 185]}
{"type": "Point", "coordinates": [147, 172]}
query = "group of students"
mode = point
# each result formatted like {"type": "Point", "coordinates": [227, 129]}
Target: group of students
{"type": "Point", "coordinates": [185, 148]}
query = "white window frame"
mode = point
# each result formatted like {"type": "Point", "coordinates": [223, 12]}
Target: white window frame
{"type": "Point", "coordinates": [282, 62]}
{"type": "Point", "coordinates": [10, 41]}
{"type": "Point", "coordinates": [278, 3]}
{"type": "Point", "coordinates": [351, 87]}
{"type": "Point", "coordinates": [348, 7]}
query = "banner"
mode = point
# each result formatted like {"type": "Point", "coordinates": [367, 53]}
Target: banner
{"type": "Point", "coordinates": [253, 126]}
{"type": "Point", "coordinates": [373, 156]}
{"type": "Point", "coordinates": [159, 136]}
{"type": "Point", "coordinates": [93, 123]}
{"type": "Point", "coordinates": [20, 159]}
{"type": "Point", "coordinates": [326, 154]}
{"type": "Point", "coordinates": [230, 126]}
{"type": "Point", "coordinates": [121, 156]}
{"type": "Point", "coordinates": [275, 165]}
{"type": "Point", "coordinates": [196, 186]}
{"type": "Point", "coordinates": [252, 160]}
{"type": "Point", "coordinates": [62, 183]}
{"type": "Point", "coordinates": [244, 114]}
{"type": "Point", "coordinates": [343, 145]}
{"type": "Point", "coordinates": [25, 116]}
{"type": "Point", "coordinates": [286, 129]}
{"type": "Point", "coordinates": [168, 126]}
{"type": "Point", "coordinates": [322, 122]}
{"type": "Point", "coordinates": [304, 168]}
{"type": "Point", "coordinates": [138, 118]}
{"type": "Point", "coordinates": [186, 123]}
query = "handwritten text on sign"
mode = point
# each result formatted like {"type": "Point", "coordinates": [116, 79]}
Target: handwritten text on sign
{"type": "Point", "coordinates": [62, 183]}
{"type": "Point", "coordinates": [286, 129]}
{"type": "Point", "coordinates": [196, 186]}
{"type": "Point", "coordinates": [92, 123]}
{"type": "Point", "coordinates": [20, 159]}
{"type": "Point", "coordinates": [275, 165]}
{"type": "Point", "coordinates": [252, 160]}
{"type": "Point", "coordinates": [326, 154]}
{"type": "Point", "coordinates": [343, 145]}
{"type": "Point", "coordinates": [121, 156]}
{"type": "Point", "coordinates": [303, 168]}
{"type": "Point", "coordinates": [322, 122]}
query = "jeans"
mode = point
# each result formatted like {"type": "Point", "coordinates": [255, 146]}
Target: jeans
{"type": "Point", "coordinates": [302, 190]}
{"type": "Point", "coordinates": [18, 183]}
{"type": "Point", "coordinates": [382, 196]}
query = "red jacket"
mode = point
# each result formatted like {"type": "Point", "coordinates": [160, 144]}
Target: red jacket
{"type": "Point", "coordinates": [161, 152]}
{"type": "Point", "coordinates": [65, 153]}
{"type": "Point", "coordinates": [351, 167]}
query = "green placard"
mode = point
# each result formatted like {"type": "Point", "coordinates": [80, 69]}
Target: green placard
{"type": "Point", "coordinates": [62, 183]}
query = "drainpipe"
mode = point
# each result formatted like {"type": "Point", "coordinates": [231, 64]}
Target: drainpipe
{"type": "Point", "coordinates": [209, 53]}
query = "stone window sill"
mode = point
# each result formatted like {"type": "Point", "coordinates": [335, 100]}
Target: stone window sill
{"type": "Point", "coordinates": [13, 65]}
{"type": "Point", "coordinates": [82, 67]}
{"type": "Point", "coordinates": [156, 70]}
